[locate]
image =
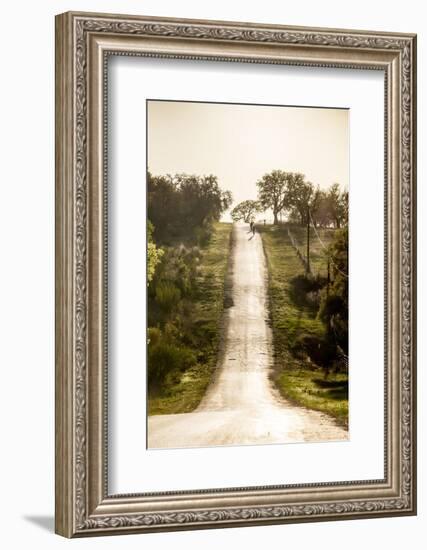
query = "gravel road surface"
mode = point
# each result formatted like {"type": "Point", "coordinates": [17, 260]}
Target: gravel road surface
{"type": "Point", "coordinates": [241, 405]}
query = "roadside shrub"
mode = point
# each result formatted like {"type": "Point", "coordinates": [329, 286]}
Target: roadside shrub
{"type": "Point", "coordinates": [154, 253]}
{"type": "Point", "coordinates": [179, 267]}
{"type": "Point", "coordinates": [305, 290]}
{"type": "Point", "coordinates": [153, 335]}
{"type": "Point", "coordinates": [321, 351]}
{"type": "Point", "coordinates": [306, 284]}
{"type": "Point", "coordinates": [203, 235]}
{"type": "Point", "coordinates": [167, 296]}
{"type": "Point", "coordinates": [333, 311]}
{"type": "Point", "coordinates": [165, 359]}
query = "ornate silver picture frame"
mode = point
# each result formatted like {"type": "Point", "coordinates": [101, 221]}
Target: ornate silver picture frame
{"type": "Point", "coordinates": [84, 42]}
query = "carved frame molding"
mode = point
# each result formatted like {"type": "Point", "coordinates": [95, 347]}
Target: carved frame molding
{"type": "Point", "coordinates": [83, 43]}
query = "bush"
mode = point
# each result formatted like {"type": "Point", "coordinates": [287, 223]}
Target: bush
{"type": "Point", "coordinates": [179, 267]}
{"type": "Point", "coordinates": [153, 335]}
{"type": "Point", "coordinates": [321, 350]}
{"type": "Point", "coordinates": [203, 235]}
{"type": "Point", "coordinates": [333, 312]}
{"type": "Point", "coordinates": [305, 290]}
{"type": "Point", "coordinates": [165, 359]}
{"type": "Point", "coordinates": [167, 295]}
{"type": "Point", "coordinates": [154, 254]}
{"type": "Point", "coordinates": [306, 284]}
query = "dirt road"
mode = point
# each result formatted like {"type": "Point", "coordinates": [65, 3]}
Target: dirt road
{"type": "Point", "coordinates": [241, 406]}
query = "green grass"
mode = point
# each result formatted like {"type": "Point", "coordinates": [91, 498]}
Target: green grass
{"type": "Point", "coordinates": [183, 395]}
{"type": "Point", "coordinates": [312, 390]}
{"type": "Point", "coordinates": [291, 318]}
{"type": "Point", "coordinates": [318, 260]}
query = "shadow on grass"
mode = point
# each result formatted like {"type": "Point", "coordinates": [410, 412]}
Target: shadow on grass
{"type": "Point", "coordinates": [336, 389]}
{"type": "Point", "coordinates": [303, 291]}
{"type": "Point", "coordinates": [338, 394]}
{"type": "Point", "coordinates": [330, 383]}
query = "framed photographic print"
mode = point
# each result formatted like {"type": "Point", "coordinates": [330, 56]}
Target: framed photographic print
{"type": "Point", "coordinates": [235, 274]}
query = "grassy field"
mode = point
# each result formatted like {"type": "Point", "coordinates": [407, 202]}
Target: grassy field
{"type": "Point", "coordinates": [318, 261]}
{"type": "Point", "coordinates": [294, 317]}
{"type": "Point", "coordinates": [309, 388]}
{"type": "Point", "coordinates": [185, 393]}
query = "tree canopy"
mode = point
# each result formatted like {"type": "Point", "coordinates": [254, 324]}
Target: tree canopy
{"type": "Point", "coordinates": [273, 192]}
{"type": "Point", "coordinates": [180, 205]}
{"type": "Point", "coordinates": [292, 194]}
{"type": "Point", "coordinates": [245, 211]}
{"type": "Point", "coordinates": [154, 254]}
{"type": "Point", "coordinates": [334, 304]}
{"type": "Point", "coordinates": [300, 195]}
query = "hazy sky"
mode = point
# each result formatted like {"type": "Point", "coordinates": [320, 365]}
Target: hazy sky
{"type": "Point", "coordinates": [240, 143]}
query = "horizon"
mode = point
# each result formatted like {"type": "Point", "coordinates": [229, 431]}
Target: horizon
{"type": "Point", "coordinates": [240, 143]}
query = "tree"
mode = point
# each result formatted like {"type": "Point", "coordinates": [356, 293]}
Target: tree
{"type": "Point", "coordinates": [327, 207]}
{"type": "Point", "coordinates": [161, 198]}
{"type": "Point", "coordinates": [334, 301]}
{"type": "Point", "coordinates": [245, 211]}
{"type": "Point", "coordinates": [273, 192]}
{"type": "Point", "coordinates": [338, 204]}
{"type": "Point", "coordinates": [154, 254]}
{"type": "Point", "coordinates": [315, 205]}
{"type": "Point", "coordinates": [183, 206]}
{"type": "Point", "coordinates": [201, 199]}
{"type": "Point", "coordinates": [344, 207]}
{"type": "Point", "coordinates": [319, 209]}
{"type": "Point", "coordinates": [301, 193]}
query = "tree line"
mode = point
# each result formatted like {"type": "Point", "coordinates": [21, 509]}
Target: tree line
{"type": "Point", "coordinates": [181, 208]}
{"type": "Point", "coordinates": [181, 212]}
{"type": "Point", "coordinates": [291, 194]}
{"type": "Point", "coordinates": [184, 206]}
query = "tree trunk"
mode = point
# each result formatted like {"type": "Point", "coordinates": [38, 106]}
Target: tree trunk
{"type": "Point", "coordinates": [276, 219]}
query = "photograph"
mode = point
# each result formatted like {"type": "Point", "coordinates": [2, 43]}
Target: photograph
{"type": "Point", "coordinates": [247, 274]}
{"type": "Point", "coordinates": [235, 272]}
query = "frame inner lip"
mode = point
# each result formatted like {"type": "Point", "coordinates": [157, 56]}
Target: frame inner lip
{"type": "Point", "coordinates": [319, 486]}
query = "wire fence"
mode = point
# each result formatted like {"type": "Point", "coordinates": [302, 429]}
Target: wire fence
{"type": "Point", "coordinates": [326, 248]}
{"type": "Point", "coordinates": [342, 357]}
{"type": "Point", "coordinates": [300, 255]}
